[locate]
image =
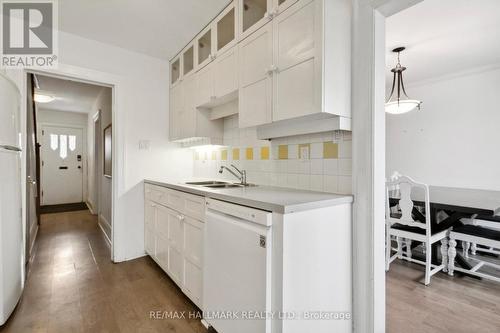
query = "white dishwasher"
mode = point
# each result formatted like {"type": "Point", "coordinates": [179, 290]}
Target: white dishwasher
{"type": "Point", "coordinates": [237, 268]}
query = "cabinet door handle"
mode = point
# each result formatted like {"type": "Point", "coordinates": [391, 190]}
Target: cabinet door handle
{"type": "Point", "coordinates": [181, 217]}
{"type": "Point", "coordinates": [271, 69]}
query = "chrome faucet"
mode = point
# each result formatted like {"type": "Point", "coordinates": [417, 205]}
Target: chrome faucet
{"type": "Point", "coordinates": [242, 177]}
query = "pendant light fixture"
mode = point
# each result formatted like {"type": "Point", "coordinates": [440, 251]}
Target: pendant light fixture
{"type": "Point", "coordinates": [398, 101]}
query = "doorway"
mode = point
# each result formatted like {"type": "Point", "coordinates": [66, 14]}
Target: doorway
{"type": "Point", "coordinates": [70, 114]}
{"type": "Point", "coordinates": [62, 165]}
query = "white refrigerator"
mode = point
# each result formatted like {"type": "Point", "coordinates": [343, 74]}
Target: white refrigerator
{"type": "Point", "coordinates": [11, 229]}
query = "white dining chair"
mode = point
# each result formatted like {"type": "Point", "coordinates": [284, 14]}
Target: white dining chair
{"type": "Point", "coordinates": [405, 228]}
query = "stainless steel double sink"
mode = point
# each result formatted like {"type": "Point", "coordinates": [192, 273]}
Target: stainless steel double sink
{"type": "Point", "coordinates": [218, 184]}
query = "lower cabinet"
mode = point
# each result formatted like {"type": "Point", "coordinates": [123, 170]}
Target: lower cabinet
{"type": "Point", "coordinates": [175, 242]}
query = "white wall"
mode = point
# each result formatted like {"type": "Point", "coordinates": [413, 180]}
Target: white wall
{"type": "Point", "coordinates": [61, 117]}
{"type": "Point", "coordinates": [143, 109]}
{"type": "Point", "coordinates": [454, 140]}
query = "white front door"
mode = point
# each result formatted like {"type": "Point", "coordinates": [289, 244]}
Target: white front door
{"type": "Point", "coordinates": [62, 165]}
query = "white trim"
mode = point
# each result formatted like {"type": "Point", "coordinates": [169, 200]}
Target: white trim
{"type": "Point", "coordinates": [113, 81]}
{"type": "Point", "coordinates": [368, 131]}
{"type": "Point", "coordinates": [99, 219]}
{"type": "Point", "coordinates": [90, 207]}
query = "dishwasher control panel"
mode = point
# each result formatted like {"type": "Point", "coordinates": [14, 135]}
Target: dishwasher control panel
{"type": "Point", "coordinates": [261, 217]}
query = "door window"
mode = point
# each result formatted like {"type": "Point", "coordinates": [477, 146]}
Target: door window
{"type": "Point", "coordinates": [63, 151]}
{"type": "Point", "coordinates": [54, 141]}
{"type": "Point", "coordinates": [72, 142]}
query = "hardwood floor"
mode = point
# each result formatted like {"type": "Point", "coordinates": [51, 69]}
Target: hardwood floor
{"type": "Point", "coordinates": [74, 287]}
{"type": "Point", "coordinates": [449, 304]}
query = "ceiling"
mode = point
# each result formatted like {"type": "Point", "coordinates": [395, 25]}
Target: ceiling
{"type": "Point", "coordinates": [444, 37]}
{"type": "Point", "coordinates": [71, 96]}
{"type": "Point", "coordinates": [159, 28]}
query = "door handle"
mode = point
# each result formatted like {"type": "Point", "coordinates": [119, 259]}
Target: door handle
{"type": "Point", "coordinates": [63, 168]}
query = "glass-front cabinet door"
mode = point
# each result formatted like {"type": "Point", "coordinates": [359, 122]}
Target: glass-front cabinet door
{"type": "Point", "coordinates": [204, 47]}
{"type": "Point", "coordinates": [281, 5]}
{"type": "Point", "coordinates": [188, 60]}
{"type": "Point", "coordinates": [253, 15]}
{"type": "Point", "coordinates": [225, 26]}
{"type": "Point", "coordinates": [175, 71]}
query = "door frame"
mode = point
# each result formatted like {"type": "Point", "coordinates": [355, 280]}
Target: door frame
{"type": "Point", "coordinates": [115, 82]}
{"type": "Point", "coordinates": [368, 120]}
{"type": "Point", "coordinates": [96, 122]}
{"type": "Point", "coordinates": [41, 126]}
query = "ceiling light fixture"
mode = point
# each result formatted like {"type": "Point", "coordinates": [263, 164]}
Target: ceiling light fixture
{"type": "Point", "coordinates": [400, 103]}
{"type": "Point", "coordinates": [43, 98]}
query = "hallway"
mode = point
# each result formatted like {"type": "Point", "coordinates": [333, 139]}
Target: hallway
{"type": "Point", "coordinates": [74, 287]}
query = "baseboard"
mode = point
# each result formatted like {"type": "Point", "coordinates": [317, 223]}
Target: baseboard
{"type": "Point", "coordinates": [101, 220]}
{"type": "Point", "coordinates": [90, 207]}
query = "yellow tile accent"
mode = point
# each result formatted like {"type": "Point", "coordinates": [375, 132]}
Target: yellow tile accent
{"type": "Point", "coordinates": [236, 153]}
{"type": "Point", "coordinates": [264, 153]}
{"type": "Point", "coordinates": [249, 153]}
{"type": "Point", "coordinates": [283, 152]}
{"type": "Point", "coordinates": [330, 150]}
{"type": "Point", "coordinates": [302, 145]}
{"type": "Point", "coordinates": [214, 155]}
{"type": "Point", "coordinates": [223, 155]}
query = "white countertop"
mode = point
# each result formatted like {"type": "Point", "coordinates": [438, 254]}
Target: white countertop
{"type": "Point", "coordinates": [275, 199]}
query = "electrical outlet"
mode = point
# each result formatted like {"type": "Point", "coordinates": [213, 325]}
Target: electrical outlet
{"type": "Point", "coordinates": [304, 152]}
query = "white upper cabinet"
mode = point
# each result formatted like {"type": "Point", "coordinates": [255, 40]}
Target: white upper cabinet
{"type": "Point", "coordinates": [226, 28]}
{"type": "Point", "coordinates": [175, 112]}
{"type": "Point", "coordinates": [280, 5]}
{"type": "Point", "coordinates": [256, 78]}
{"type": "Point", "coordinates": [188, 60]}
{"type": "Point", "coordinates": [204, 47]}
{"type": "Point", "coordinates": [253, 15]}
{"type": "Point", "coordinates": [225, 74]}
{"type": "Point", "coordinates": [297, 33]}
{"type": "Point", "coordinates": [285, 60]}
{"type": "Point", "coordinates": [188, 113]}
{"type": "Point", "coordinates": [204, 87]}
{"type": "Point", "coordinates": [175, 71]}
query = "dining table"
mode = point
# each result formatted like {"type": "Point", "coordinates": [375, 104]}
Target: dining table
{"type": "Point", "coordinates": [457, 203]}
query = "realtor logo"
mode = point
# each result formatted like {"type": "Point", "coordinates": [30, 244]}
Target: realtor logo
{"type": "Point", "coordinates": [28, 33]}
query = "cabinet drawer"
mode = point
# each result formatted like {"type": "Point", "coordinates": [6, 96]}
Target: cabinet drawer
{"type": "Point", "coordinates": [194, 206]}
{"type": "Point", "coordinates": [173, 199]}
{"type": "Point", "coordinates": [154, 193]}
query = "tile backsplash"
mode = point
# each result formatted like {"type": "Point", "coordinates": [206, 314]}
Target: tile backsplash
{"type": "Point", "coordinates": [319, 162]}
